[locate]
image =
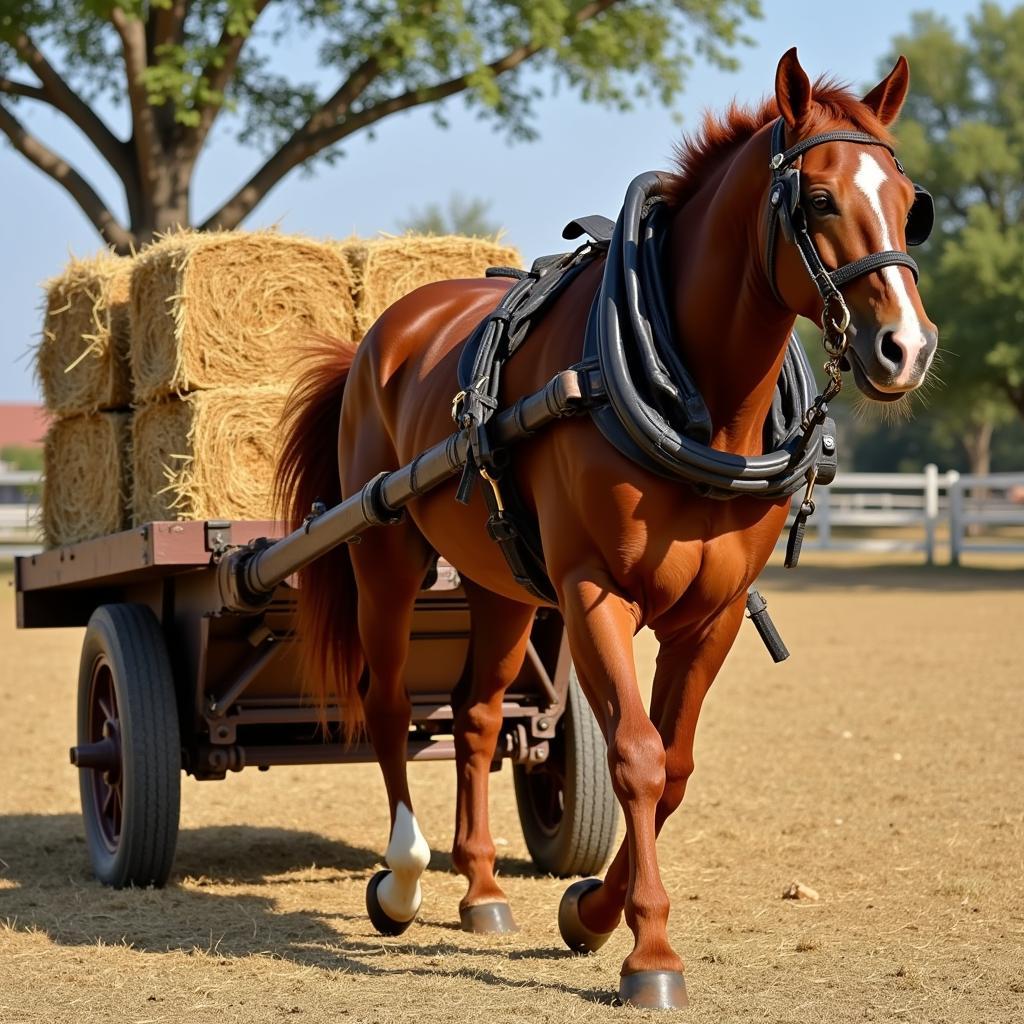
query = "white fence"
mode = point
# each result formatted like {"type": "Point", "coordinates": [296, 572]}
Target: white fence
{"type": "Point", "coordinates": [19, 520]}
{"type": "Point", "coordinates": [913, 508]}
{"type": "Point", "coordinates": [982, 513]}
{"type": "Point", "coordinates": [988, 506]}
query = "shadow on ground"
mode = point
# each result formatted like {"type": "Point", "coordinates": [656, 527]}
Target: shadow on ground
{"type": "Point", "coordinates": [46, 886]}
{"type": "Point", "coordinates": [892, 578]}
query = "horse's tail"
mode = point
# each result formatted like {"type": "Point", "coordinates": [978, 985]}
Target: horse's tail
{"type": "Point", "coordinates": [330, 654]}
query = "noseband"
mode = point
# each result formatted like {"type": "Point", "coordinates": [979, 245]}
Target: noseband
{"type": "Point", "coordinates": [786, 213]}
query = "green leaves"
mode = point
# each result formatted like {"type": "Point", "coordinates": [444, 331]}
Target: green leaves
{"type": "Point", "coordinates": [962, 136]}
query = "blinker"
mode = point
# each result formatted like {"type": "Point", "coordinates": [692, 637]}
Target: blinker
{"type": "Point", "coordinates": [921, 218]}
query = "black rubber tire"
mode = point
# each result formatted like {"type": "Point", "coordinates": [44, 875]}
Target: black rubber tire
{"type": "Point", "coordinates": [125, 645]}
{"type": "Point", "coordinates": [574, 833]}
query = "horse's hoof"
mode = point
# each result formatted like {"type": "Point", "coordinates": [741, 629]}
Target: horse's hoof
{"type": "Point", "coordinates": [488, 918]}
{"type": "Point", "coordinates": [379, 918]}
{"type": "Point", "coordinates": [654, 990]}
{"type": "Point", "coordinates": [577, 936]}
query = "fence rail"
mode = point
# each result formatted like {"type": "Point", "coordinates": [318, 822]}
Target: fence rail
{"type": "Point", "coordinates": [983, 513]}
{"type": "Point", "coordinates": [19, 512]}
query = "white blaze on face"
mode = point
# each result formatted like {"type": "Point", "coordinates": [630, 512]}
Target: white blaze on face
{"type": "Point", "coordinates": [907, 330]}
{"type": "Point", "coordinates": [407, 856]}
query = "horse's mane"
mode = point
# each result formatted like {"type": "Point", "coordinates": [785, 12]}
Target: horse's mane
{"type": "Point", "coordinates": [698, 155]}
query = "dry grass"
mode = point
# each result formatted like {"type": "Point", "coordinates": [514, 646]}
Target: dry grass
{"type": "Point", "coordinates": [82, 360]}
{"type": "Point", "coordinates": [228, 309]}
{"type": "Point", "coordinates": [208, 455]}
{"type": "Point", "coordinates": [385, 269]}
{"type": "Point", "coordinates": [917, 858]}
{"type": "Point", "coordinates": [86, 471]}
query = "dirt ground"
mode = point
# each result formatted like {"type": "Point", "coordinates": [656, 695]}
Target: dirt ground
{"type": "Point", "coordinates": [882, 765]}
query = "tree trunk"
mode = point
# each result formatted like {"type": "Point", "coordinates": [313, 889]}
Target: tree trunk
{"type": "Point", "coordinates": [977, 442]}
{"type": "Point", "coordinates": [162, 204]}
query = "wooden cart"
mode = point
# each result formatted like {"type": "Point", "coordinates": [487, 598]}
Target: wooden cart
{"type": "Point", "coordinates": [173, 678]}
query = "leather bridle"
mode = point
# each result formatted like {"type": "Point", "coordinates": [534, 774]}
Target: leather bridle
{"type": "Point", "coordinates": [785, 213]}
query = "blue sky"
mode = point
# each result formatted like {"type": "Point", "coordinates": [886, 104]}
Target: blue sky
{"type": "Point", "coordinates": [581, 164]}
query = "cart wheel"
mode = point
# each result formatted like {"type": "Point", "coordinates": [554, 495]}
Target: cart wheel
{"type": "Point", "coordinates": [129, 751]}
{"type": "Point", "coordinates": [567, 807]}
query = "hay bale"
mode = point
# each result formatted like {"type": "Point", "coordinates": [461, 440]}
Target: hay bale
{"type": "Point", "coordinates": [82, 360]}
{"type": "Point", "coordinates": [387, 268]}
{"type": "Point", "coordinates": [228, 309]}
{"type": "Point", "coordinates": [208, 455]}
{"type": "Point", "coordinates": [86, 488]}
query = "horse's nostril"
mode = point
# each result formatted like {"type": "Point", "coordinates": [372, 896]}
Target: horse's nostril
{"type": "Point", "coordinates": [890, 351]}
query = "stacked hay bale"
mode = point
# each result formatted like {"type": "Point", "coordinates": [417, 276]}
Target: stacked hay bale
{"type": "Point", "coordinates": [82, 366]}
{"type": "Point", "coordinates": [218, 322]}
{"type": "Point", "coordinates": [217, 325]}
{"type": "Point", "coordinates": [384, 269]}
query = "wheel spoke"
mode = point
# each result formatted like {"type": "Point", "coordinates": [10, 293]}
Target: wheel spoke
{"type": "Point", "coordinates": [107, 712]}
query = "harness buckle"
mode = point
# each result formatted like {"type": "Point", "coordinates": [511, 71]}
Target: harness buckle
{"type": "Point", "coordinates": [494, 488]}
{"type": "Point", "coordinates": [456, 401]}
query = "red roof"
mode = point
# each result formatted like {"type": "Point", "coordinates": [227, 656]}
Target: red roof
{"type": "Point", "coordinates": [22, 423]}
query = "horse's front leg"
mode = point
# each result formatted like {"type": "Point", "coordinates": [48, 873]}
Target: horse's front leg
{"type": "Point", "coordinates": [688, 663]}
{"type": "Point", "coordinates": [501, 631]}
{"type": "Point", "coordinates": [601, 621]}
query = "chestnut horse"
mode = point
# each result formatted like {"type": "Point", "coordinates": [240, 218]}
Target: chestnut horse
{"type": "Point", "coordinates": [624, 548]}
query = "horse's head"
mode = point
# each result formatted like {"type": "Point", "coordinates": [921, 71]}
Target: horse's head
{"type": "Point", "coordinates": [855, 201]}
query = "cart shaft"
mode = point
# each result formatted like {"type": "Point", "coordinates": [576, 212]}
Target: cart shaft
{"type": "Point", "coordinates": [248, 577]}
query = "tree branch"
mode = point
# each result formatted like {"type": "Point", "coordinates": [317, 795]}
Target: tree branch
{"type": "Point", "coordinates": [33, 92]}
{"type": "Point", "coordinates": [65, 175]}
{"type": "Point", "coordinates": [219, 76]}
{"type": "Point", "coordinates": [56, 91]}
{"type": "Point", "coordinates": [329, 123]}
{"type": "Point", "coordinates": [148, 148]}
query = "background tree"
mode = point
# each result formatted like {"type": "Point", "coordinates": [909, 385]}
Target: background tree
{"type": "Point", "coordinates": [464, 215]}
{"type": "Point", "coordinates": [962, 136]}
{"type": "Point", "coordinates": [182, 64]}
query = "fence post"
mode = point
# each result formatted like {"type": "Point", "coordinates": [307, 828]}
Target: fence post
{"type": "Point", "coordinates": [931, 510]}
{"type": "Point", "coordinates": [956, 516]}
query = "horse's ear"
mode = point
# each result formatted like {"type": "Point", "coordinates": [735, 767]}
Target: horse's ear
{"type": "Point", "coordinates": [792, 89]}
{"type": "Point", "coordinates": [886, 99]}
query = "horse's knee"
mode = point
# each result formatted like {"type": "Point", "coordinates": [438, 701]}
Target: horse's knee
{"type": "Point", "coordinates": [636, 757]}
{"type": "Point", "coordinates": [677, 774]}
{"type": "Point", "coordinates": [478, 719]}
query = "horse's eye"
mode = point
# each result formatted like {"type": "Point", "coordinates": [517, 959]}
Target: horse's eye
{"type": "Point", "coordinates": [822, 202]}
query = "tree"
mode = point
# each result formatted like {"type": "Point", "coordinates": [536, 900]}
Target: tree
{"type": "Point", "coordinates": [463, 216]}
{"type": "Point", "coordinates": [961, 135]}
{"type": "Point", "coordinates": [183, 64]}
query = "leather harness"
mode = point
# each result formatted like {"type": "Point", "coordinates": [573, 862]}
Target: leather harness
{"type": "Point", "coordinates": [636, 387]}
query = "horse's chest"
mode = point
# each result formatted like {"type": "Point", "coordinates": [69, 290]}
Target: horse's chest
{"type": "Point", "coordinates": [699, 576]}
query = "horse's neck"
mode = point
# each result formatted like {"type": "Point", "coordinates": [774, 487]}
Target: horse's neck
{"type": "Point", "coordinates": [732, 333]}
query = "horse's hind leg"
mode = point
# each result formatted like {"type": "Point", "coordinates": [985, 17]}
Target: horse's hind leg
{"type": "Point", "coordinates": [501, 631]}
{"type": "Point", "coordinates": [389, 567]}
